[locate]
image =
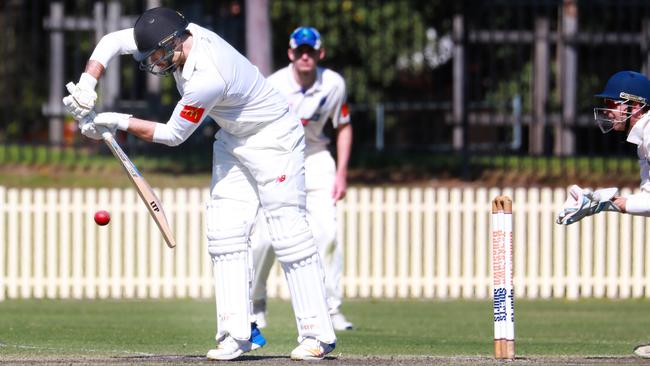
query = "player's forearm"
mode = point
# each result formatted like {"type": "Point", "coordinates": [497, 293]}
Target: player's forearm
{"type": "Point", "coordinates": [110, 45]}
{"type": "Point", "coordinates": [638, 204]}
{"type": "Point", "coordinates": [94, 69]}
{"type": "Point", "coordinates": [141, 128]}
{"type": "Point", "coordinates": [343, 148]}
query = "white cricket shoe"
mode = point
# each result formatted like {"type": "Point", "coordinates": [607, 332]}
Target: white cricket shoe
{"type": "Point", "coordinates": [642, 350]}
{"type": "Point", "coordinates": [231, 348]}
{"type": "Point", "coordinates": [311, 349]}
{"type": "Point", "coordinates": [339, 322]}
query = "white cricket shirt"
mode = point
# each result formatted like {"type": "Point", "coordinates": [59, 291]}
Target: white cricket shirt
{"type": "Point", "coordinates": [639, 135]}
{"type": "Point", "coordinates": [216, 80]}
{"type": "Point", "coordinates": [324, 100]}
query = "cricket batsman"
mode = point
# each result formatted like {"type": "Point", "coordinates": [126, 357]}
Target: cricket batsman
{"type": "Point", "coordinates": [258, 163]}
{"type": "Point", "coordinates": [316, 95]}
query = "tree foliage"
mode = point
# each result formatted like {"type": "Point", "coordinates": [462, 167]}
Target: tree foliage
{"type": "Point", "coordinates": [365, 39]}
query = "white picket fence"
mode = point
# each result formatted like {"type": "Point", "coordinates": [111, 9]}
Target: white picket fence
{"type": "Point", "coordinates": [399, 242]}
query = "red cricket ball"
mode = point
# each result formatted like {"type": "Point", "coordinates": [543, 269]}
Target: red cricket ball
{"type": "Point", "coordinates": [102, 217]}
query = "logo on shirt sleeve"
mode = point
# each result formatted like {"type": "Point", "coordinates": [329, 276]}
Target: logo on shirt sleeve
{"type": "Point", "coordinates": [344, 110]}
{"type": "Point", "coordinates": [192, 114]}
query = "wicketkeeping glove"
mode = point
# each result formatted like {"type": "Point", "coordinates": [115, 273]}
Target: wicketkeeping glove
{"type": "Point", "coordinates": [82, 98]}
{"type": "Point", "coordinates": [581, 203]}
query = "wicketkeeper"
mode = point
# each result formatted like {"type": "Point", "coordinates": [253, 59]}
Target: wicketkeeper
{"type": "Point", "coordinates": [258, 162]}
{"type": "Point", "coordinates": [626, 96]}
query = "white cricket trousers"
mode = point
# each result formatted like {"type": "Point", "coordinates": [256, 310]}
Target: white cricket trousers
{"type": "Point", "coordinates": [267, 169]}
{"type": "Point", "coordinates": [320, 170]}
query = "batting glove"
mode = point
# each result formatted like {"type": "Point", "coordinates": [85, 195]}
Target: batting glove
{"type": "Point", "coordinates": [82, 98]}
{"type": "Point", "coordinates": [90, 130]}
{"type": "Point", "coordinates": [581, 203]}
{"type": "Point", "coordinates": [113, 121]}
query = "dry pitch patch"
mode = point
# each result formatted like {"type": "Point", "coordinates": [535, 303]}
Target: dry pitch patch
{"type": "Point", "coordinates": [338, 360]}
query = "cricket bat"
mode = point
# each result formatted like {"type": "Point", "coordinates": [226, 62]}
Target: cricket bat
{"type": "Point", "coordinates": [144, 190]}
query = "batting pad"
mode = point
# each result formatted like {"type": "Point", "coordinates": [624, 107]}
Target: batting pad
{"type": "Point", "coordinates": [305, 280]}
{"type": "Point", "coordinates": [232, 290]}
{"type": "Point", "coordinates": [232, 270]}
{"type": "Point", "coordinates": [294, 249]}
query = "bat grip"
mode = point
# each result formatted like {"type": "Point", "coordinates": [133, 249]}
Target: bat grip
{"type": "Point", "coordinates": [106, 134]}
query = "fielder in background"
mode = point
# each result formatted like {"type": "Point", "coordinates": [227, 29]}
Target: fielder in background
{"type": "Point", "coordinates": [316, 95]}
{"type": "Point", "coordinates": [626, 97]}
{"type": "Point", "coordinates": [258, 161]}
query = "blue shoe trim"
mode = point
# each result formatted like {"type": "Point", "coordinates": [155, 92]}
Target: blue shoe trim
{"type": "Point", "coordinates": [333, 345]}
{"type": "Point", "coordinates": [256, 336]}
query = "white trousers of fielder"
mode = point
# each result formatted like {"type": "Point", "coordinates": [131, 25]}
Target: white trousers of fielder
{"type": "Point", "coordinates": [320, 170]}
{"type": "Point", "coordinates": [263, 170]}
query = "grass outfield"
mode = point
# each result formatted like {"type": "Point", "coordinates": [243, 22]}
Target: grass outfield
{"type": "Point", "coordinates": [447, 331]}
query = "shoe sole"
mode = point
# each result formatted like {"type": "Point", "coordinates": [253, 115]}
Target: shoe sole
{"type": "Point", "coordinates": [642, 350]}
{"type": "Point", "coordinates": [312, 357]}
{"type": "Point", "coordinates": [225, 357]}
{"type": "Point", "coordinates": [240, 352]}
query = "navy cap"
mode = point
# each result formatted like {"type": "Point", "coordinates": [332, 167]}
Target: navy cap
{"type": "Point", "coordinates": [154, 28]}
{"type": "Point", "coordinates": [305, 36]}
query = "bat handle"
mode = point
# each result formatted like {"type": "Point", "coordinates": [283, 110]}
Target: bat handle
{"type": "Point", "coordinates": [106, 134]}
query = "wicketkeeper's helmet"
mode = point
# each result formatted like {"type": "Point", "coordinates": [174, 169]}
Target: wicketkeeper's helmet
{"type": "Point", "coordinates": [155, 29]}
{"type": "Point", "coordinates": [624, 87]}
{"type": "Point", "coordinates": [627, 85]}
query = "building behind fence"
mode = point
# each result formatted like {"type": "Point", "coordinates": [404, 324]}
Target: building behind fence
{"type": "Point", "coordinates": [426, 243]}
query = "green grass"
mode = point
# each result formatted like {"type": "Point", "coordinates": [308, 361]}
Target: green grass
{"type": "Point", "coordinates": [441, 328]}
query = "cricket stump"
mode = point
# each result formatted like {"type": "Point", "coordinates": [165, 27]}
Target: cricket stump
{"type": "Point", "coordinates": [503, 293]}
